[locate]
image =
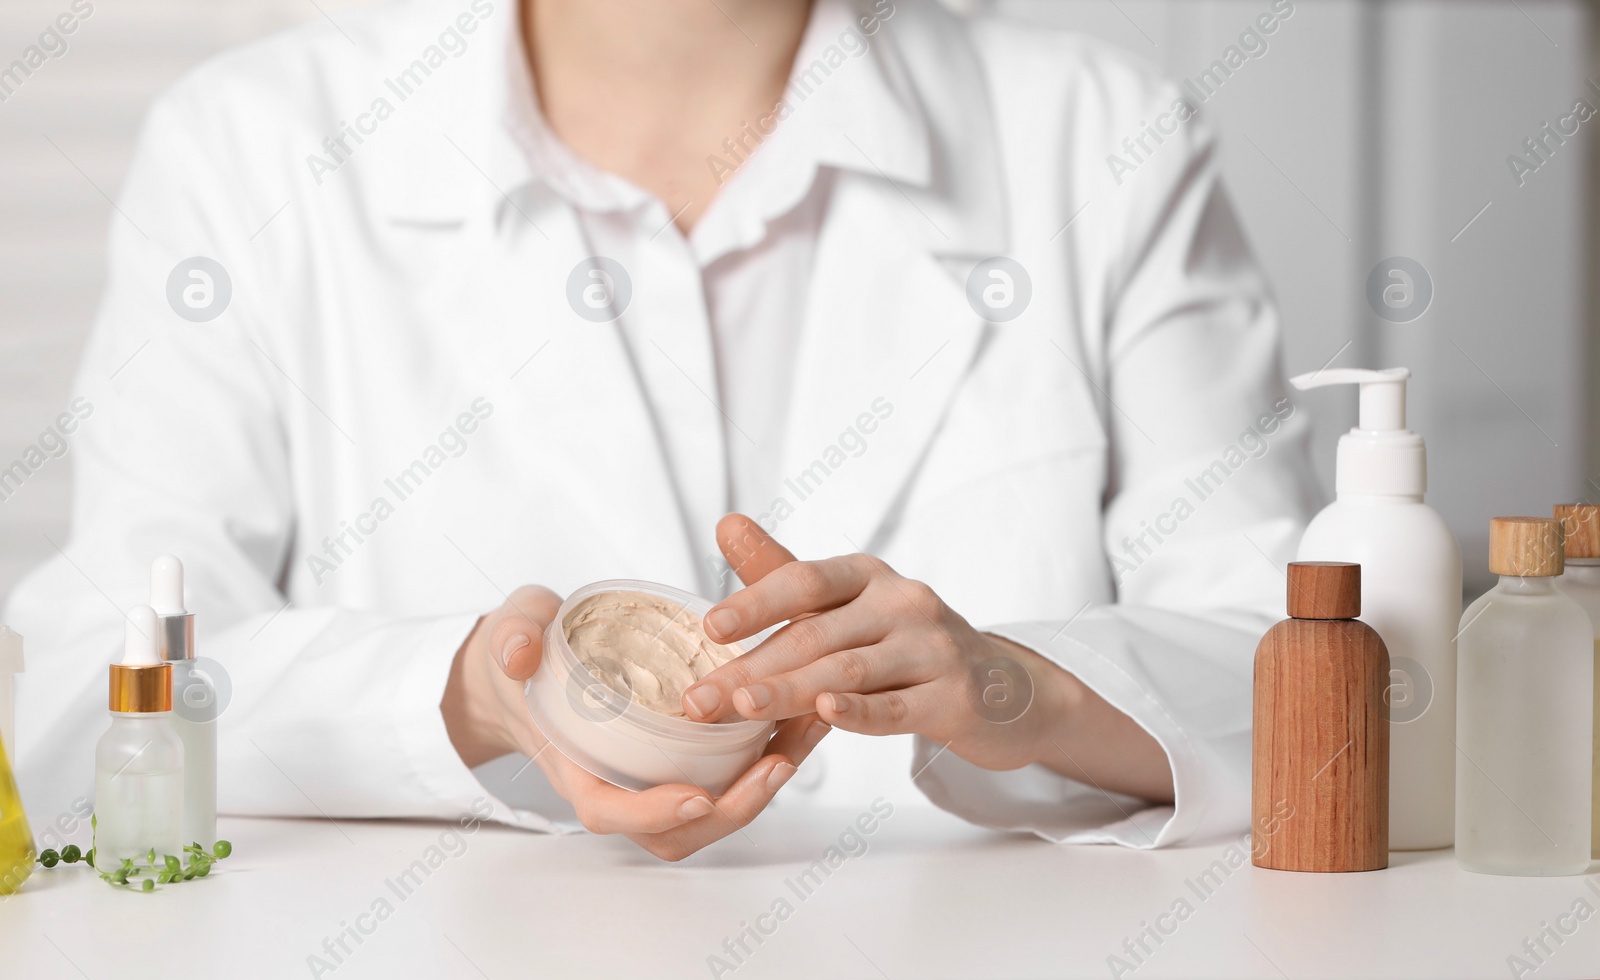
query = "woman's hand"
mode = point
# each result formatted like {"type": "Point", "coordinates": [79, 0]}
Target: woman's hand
{"type": "Point", "coordinates": [873, 652]}
{"type": "Point", "coordinates": [487, 717]}
{"type": "Point", "coordinates": [870, 652]}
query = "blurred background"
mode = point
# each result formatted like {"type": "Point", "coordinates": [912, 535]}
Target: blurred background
{"type": "Point", "coordinates": [1369, 129]}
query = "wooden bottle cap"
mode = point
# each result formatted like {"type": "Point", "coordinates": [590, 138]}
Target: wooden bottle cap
{"type": "Point", "coordinates": [1324, 590]}
{"type": "Point", "coordinates": [1581, 522]}
{"type": "Point", "coordinates": [1529, 547]}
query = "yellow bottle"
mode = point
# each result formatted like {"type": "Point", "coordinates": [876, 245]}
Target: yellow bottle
{"type": "Point", "coordinates": [16, 839]}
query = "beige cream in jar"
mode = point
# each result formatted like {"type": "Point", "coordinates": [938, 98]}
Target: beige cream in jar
{"type": "Point", "coordinates": [609, 691]}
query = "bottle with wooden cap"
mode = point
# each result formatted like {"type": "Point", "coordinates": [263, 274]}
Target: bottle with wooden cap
{"type": "Point", "coordinates": [1581, 582]}
{"type": "Point", "coordinates": [1524, 713]}
{"type": "Point", "coordinates": [1320, 773]}
{"type": "Point", "coordinates": [138, 785]}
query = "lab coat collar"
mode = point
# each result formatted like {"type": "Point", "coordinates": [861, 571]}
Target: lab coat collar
{"type": "Point", "coordinates": [848, 103]}
{"type": "Point", "coordinates": [838, 86]}
{"type": "Point", "coordinates": [846, 106]}
{"type": "Point", "coordinates": [911, 111]}
{"type": "Point", "coordinates": [448, 163]}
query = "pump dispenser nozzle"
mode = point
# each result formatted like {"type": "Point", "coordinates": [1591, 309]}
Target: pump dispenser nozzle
{"type": "Point", "coordinates": [1380, 456]}
{"type": "Point", "coordinates": [1383, 394]}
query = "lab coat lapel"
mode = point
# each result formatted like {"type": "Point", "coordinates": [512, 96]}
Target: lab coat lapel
{"type": "Point", "coordinates": [888, 338]}
{"type": "Point", "coordinates": [453, 169]}
{"type": "Point", "coordinates": [889, 334]}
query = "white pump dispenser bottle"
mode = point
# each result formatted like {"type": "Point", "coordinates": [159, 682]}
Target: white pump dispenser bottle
{"type": "Point", "coordinates": [194, 702]}
{"type": "Point", "coordinates": [1410, 593]}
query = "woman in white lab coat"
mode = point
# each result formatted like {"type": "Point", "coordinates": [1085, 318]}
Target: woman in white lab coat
{"type": "Point", "coordinates": [966, 297]}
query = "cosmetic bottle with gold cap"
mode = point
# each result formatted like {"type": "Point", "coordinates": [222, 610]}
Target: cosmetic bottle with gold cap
{"type": "Point", "coordinates": [1524, 713]}
{"type": "Point", "coordinates": [1581, 582]}
{"type": "Point", "coordinates": [138, 786]}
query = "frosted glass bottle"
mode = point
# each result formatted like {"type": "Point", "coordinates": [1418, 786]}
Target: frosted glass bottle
{"type": "Point", "coordinates": [1581, 582]}
{"type": "Point", "coordinates": [138, 788]}
{"type": "Point", "coordinates": [1524, 713]}
{"type": "Point", "coordinates": [194, 722]}
{"type": "Point", "coordinates": [194, 700]}
{"type": "Point", "coordinates": [138, 783]}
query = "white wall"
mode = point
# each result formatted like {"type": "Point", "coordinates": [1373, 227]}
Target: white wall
{"type": "Point", "coordinates": [65, 137]}
{"type": "Point", "coordinates": [1378, 129]}
{"type": "Point", "coordinates": [1373, 129]}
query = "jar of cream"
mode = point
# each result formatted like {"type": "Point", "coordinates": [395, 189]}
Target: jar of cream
{"type": "Point", "coordinates": [608, 693]}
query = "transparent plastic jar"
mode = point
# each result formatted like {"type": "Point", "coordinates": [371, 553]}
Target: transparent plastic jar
{"type": "Point", "coordinates": [626, 744]}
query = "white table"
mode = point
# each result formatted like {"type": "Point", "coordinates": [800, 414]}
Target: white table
{"type": "Point", "coordinates": [931, 897]}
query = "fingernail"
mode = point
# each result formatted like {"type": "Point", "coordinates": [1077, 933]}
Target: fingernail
{"type": "Point", "coordinates": [512, 646]}
{"type": "Point", "coordinates": [723, 621]}
{"type": "Point", "coordinates": [694, 809]}
{"type": "Point", "coordinates": [840, 704]}
{"type": "Point", "coordinates": [704, 699]}
{"type": "Point", "coordinates": [759, 696]}
{"type": "Point", "coordinates": [780, 774]}
{"type": "Point", "coordinates": [815, 733]}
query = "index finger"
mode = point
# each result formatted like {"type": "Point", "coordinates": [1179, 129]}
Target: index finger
{"type": "Point", "coordinates": [787, 592]}
{"type": "Point", "coordinates": [751, 552]}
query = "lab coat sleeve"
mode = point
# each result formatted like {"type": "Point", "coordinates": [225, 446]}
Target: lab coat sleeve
{"type": "Point", "coordinates": [1207, 496]}
{"type": "Point", "coordinates": [329, 712]}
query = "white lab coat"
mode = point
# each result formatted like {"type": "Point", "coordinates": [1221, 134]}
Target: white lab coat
{"type": "Point", "coordinates": [412, 305]}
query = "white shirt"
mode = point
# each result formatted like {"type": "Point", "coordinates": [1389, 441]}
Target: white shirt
{"type": "Point", "coordinates": [751, 249]}
{"type": "Point", "coordinates": [399, 416]}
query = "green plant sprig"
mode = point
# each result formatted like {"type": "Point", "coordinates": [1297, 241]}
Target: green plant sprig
{"type": "Point", "coordinates": [196, 863]}
{"type": "Point", "coordinates": [149, 873]}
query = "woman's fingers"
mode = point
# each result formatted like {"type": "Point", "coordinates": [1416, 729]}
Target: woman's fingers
{"type": "Point", "coordinates": [685, 812]}
{"type": "Point", "coordinates": [795, 589]}
{"type": "Point", "coordinates": [797, 737]}
{"type": "Point", "coordinates": [606, 809]}
{"type": "Point", "coordinates": [736, 808]}
{"type": "Point", "coordinates": [751, 793]}
{"type": "Point", "coordinates": [889, 713]}
{"type": "Point", "coordinates": [516, 639]}
{"type": "Point", "coordinates": [857, 670]}
{"type": "Point", "coordinates": [747, 797]}
{"type": "Point", "coordinates": [609, 810]}
{"type": "Point", "coordinates": [750, 551]}
{"type": "Point", "coordinates": [794, 646]}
